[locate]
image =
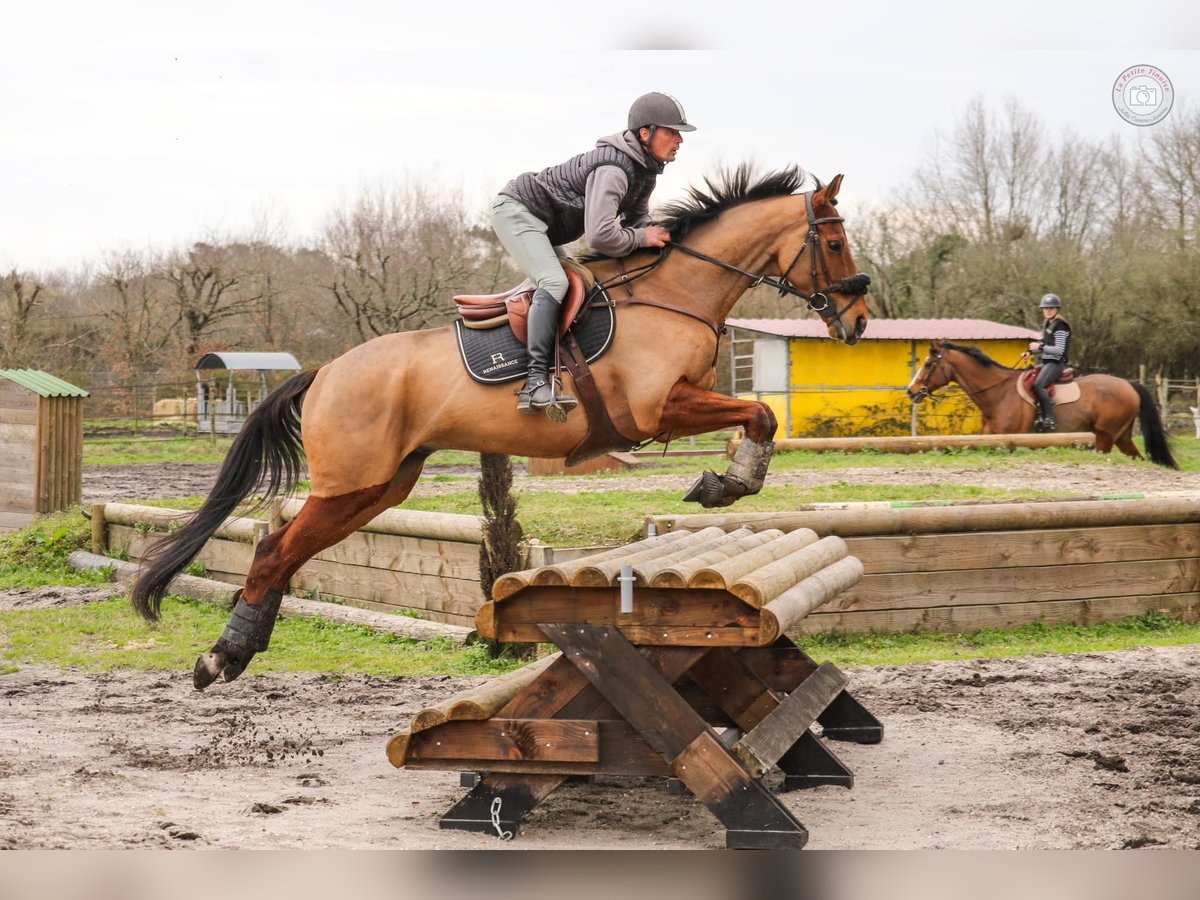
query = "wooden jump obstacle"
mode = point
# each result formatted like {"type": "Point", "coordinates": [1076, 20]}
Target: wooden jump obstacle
{"type": "Point", "coordinates": [662, 642]}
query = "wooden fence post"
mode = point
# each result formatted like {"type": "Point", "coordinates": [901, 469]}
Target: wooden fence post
{"type": "Point", "coordinates": [99, 529]}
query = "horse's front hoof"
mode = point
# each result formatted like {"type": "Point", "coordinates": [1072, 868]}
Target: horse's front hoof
{"type": "Point", "coordinates": [708, 491]}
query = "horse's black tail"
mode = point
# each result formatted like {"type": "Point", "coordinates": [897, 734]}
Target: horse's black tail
{"type": "Point", "coordinates": [266, 451]}
{"type": "Point", "coordinates": [1153, 432]}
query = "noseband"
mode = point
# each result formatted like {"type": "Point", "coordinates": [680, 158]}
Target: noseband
{"type": "Point", "coordinates": [819, 302]}
{"type": "Point", "coordinates": [928, 369]}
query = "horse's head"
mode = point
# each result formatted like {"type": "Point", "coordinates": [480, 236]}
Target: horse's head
{"type": "Point", "coordinates": [934, 373]}
{"type": "Point", "coordinates": [838, 289]}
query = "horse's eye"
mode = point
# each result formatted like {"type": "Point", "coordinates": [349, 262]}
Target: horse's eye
{"type": "Point", "coordinates": [835, 246]}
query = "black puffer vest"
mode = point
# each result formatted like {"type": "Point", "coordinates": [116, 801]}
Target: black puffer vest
{"type": "Point", "coordinates": [556, 194]}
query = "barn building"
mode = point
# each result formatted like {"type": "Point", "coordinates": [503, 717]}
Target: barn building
{"type": "Point", "coordinates": [41, 445]}
{"type": "Point", "coordinates": [819, 387]}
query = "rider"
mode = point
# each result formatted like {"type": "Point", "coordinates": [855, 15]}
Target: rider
{"type": "Point", "coordinates": [602, 195]}
{"type": "Point", "coordinates": [1053, 347]}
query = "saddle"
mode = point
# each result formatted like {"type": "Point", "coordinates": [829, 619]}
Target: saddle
{"type": "Point", "coordinates": [481, 312]}
{"type": "Point", "coordinates": [1063, 390]}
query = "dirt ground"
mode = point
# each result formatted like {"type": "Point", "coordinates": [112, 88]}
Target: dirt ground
{"type": "Point", "coordinates": [1091, 751]}
{"type": "Point", "coordinates": [1086, 751]}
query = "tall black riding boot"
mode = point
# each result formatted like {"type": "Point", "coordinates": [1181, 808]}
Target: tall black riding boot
{"type": "Point", "coordinates": [1045, 408]}
{"type": "Point", "coordinates": [538, 392]}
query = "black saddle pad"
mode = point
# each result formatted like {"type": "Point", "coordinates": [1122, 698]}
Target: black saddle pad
{"type": "Point", "coordinates": [495, 355]}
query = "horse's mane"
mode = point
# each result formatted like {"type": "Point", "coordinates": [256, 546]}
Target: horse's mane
{"type": "Point", "coordinates": [725, 189]}
{"type": "Point", "coordinates": [976, 354]}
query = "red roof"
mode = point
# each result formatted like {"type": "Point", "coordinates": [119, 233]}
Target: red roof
{"type": "Point", "coordinates": [895, 329]}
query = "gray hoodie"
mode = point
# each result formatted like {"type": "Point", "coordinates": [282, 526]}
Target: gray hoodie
{"type": "Point", "coordinates": [602, 195]}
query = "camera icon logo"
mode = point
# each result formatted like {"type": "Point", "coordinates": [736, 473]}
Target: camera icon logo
{"type": "Point", "coordinates": [1143, 95]}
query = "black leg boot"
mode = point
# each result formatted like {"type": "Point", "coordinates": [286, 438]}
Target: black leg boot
{"type": "Point", "coordinates": [538, 391]}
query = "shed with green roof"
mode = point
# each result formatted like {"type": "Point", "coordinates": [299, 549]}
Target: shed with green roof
{"type": "Point", "coordinates": [41, 445]}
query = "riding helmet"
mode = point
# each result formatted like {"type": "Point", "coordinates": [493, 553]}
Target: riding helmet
{"type": "Point", "coordinates": [1050, 301]}
{"type": "Point", "coordinates": [658, 109]}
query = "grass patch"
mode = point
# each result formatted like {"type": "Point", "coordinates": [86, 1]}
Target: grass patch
{"type": "Point", "coordinates": [1150, 630]}
{"type": "Point", "coordinates": [109, 635]}
{"type": "Point", "coordinates": [598, 517]}
{"type": "Point", "coordinates": [37, 554]}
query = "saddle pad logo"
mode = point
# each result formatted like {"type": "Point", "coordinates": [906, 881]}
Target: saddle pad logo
{"type": "Point", "coordinates": [495, 356]}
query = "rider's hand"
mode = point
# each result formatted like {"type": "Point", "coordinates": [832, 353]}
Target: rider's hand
{"type": "Point", "coordinates": [1033, 346]}
{"type": "Point", "coordinates": [657, 236]}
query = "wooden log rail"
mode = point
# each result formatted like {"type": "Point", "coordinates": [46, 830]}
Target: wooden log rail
{"type": "Point", "coordinates": [399, 561]}
{"type": "Point", "coordinates": [926, 442]}
{"type": "Point", "coordinates": [644, 691]}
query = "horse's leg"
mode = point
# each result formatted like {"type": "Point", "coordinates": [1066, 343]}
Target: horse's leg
{"type": "Point", "coordinates": [321, 523]}
{"type": "Point", "coordinates": [692, 410]}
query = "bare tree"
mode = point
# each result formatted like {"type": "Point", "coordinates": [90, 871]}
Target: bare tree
{"type": "Point", "coordinates": [205, 283]}
{"type": "Point", "coordinates": [21, 296]}
{"type": "Point", "coordinates": [397, 255]}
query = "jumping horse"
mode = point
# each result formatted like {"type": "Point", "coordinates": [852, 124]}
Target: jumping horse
{"type": "Point", "coordinates": [374, 415]}
{"type": "Point", "coordinates": [1107, 405]}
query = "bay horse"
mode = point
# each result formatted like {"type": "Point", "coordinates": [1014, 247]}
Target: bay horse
{"type": "Point", "coordinates": [368, 420]}
{"type": "Point", "coordinates": [1107, 405]}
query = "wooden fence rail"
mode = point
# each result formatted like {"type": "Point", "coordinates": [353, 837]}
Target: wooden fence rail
{"type": "Point", "coordinates": [963, 567]}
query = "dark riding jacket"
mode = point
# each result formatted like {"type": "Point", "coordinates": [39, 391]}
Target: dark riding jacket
{"type": "Point", "coordinates": [1056, 341]}
{"type": "Point", "coordinates": [602, 195]}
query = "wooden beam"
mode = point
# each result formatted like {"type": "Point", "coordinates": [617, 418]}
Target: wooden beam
{"type": "Point", "coordinates": [925, 443]}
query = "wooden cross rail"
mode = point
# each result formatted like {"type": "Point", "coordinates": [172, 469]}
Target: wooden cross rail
{"type": "Point", "coordinates": [644, 693]}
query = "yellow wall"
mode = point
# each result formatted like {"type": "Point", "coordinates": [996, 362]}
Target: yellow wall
{"type": "Point", "coordinates": [859, 390]}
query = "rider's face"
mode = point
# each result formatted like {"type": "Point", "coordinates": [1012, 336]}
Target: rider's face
{"type": "Point", "coordinates": [665, 143]}
{"type": "Point", "coordinates": [1050, 312]}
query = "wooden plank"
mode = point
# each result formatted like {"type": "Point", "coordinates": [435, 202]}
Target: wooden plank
{"type": "Point", "coordinates": [20, 492]}
{"type": "Point", "coordinates": [964, 619]}
{"type": "Point", "coordinates": [766, 743]}
{"type": "Point", "coordinates": [455, 595]}
{"type": "Point", "coordinates": [552, 740]}
{"type": "Point", "coordinates": [621, 752]}
{"type": "Point", "coordinates": [15, 397]}
{"type": "Point", "coordinates": [16, 465]}
{"type": "Point", "coordinates": [730, 684]}
{"type": "Point", "coordinates": [1008, 549]}
{"type": "Point", "coordinates": [602, 606]}
{"type": "Point", "coordinates": [428, 615]}
{"type": "Point", "coordinates": [18, 433]}
{"type": "Point", "coordinates": [648, 636]}
{"type": "Point", "coordinates": [972, 587]}
{"type": "Point", "coordinates": [12, 520]}
{"type": "Point", "coordinates": [230, 557]}
{"type": "Point", "coordinates": [26, 416]}
{"type": "Point", "coordinates": [422, 556]}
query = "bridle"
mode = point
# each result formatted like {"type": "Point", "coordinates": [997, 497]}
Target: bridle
{"type": "Point", "coordinates": [927, 370]}
{"type": "Point", "coordinates": [819, 302]}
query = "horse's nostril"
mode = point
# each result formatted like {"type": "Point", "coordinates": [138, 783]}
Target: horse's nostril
{"type": "Point", "coordinates": [860, 326]}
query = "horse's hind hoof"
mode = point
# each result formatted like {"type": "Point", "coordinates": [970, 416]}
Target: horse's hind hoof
{"type": "Point", "coordinates": [208, 668]}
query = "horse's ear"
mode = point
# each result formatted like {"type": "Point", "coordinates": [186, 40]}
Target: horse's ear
{"type": "Point", "coordinates": [828, 194]}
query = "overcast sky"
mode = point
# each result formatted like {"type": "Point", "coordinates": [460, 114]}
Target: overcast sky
{"type": "Point", "coordinates": [136, 124]}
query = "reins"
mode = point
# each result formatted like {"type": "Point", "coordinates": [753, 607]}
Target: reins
{"type": "Point", "coordinates": [819, 302]}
